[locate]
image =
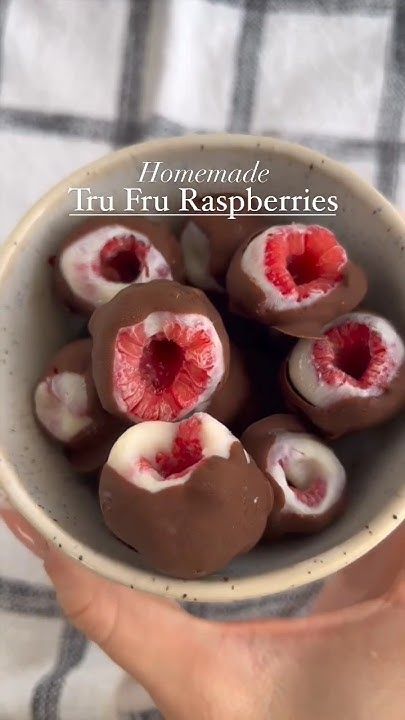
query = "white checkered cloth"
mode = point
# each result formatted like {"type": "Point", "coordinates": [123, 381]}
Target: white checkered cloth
{"type": "Point", "coordinates": [80, 77]}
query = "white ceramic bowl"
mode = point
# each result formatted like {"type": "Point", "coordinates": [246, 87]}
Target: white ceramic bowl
{"type": "Point", "coordinates": [34, 474]}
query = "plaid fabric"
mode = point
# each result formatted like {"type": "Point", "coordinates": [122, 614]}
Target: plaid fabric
{"type": "Point", "coordinates": [81, 77]}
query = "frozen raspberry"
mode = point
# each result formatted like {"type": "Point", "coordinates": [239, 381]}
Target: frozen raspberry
{"type": "Point", "coordinates": [160, 352]}
{"type": "Point", "coordinates": [208, 244]}
{"type": "Point", "coordinates": [351, 377]}
{"type": "Point", "coordinates": [102, 257]}
{"type": "Point", "coordinates": [295, 278]}
{"type": "Point", "coordinates": [61, 405]}
{"type": "Point", "coordinates": [165, 365]}
{"type": "Point", "coordinates": [185, 495]}
{"type": "Point", "coordinates": [68, 409]}
{"type": "Point", "coordinates": [307, 478]}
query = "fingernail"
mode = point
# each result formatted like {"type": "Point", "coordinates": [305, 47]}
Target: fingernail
{"type": "Point", "coordinates": [26, 534]}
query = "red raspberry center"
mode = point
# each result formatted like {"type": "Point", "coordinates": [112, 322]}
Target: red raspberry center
{"type": "Point", "coordinates": [314, 492]}
{"type": "Point", "coordinates": [353, 353]}
{"type": "Point", "coordinates": [186, 452]}
{"type": "Point", "coordinates": [162, 377]}
{"type": "Point", "coordinates": [122, 259]}
{"type": "Point", "coordinates": [161, 362]}
{"type": "Point", "coordinates": [302, 263]}
{"type": "Point", "coordinates": [312, 495]}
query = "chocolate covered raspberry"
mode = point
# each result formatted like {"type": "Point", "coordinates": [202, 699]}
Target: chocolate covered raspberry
{"type": "Point", "coordinates": [307, 478]}
{"type": "Point", "coordinates": [352, 377]}
{"type": "Point", "coordinates": [209, 243]}
{"type": "Point", "coordinates": [104, 256]}
{"type": "Point", "coordinates": [295, 278]}
{"type": "Point", "coordinates": [68, 409]}
{"type": "Point", "coordinates": [185, 495]}
{"type": "Point", "coordinates": [160, 351]}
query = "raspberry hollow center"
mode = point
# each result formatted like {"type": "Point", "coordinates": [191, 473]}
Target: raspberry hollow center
{"type": "Point", "coordinates": [122, 259]}
{"type": "Point", "coordinates": [353, 359]}
{"type": "Point", "coordinates": [302, 269]}
{"type": "Point", "coordinates": [312, 495]}
{"type": "Point", "coordinates": [165, 375]}
{"type": "Point", "coordinates": [353, 353]}
{"type": "Point", "coordinates": [161, 362]}
{"type": "Point", "coordinates": [186, 452]}
{"type": "Point", "coordinates": [301, 263]}
{"type": "Point", "coordinates": [303, 478]}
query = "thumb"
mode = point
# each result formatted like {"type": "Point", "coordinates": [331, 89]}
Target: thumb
{"type": "Point", "coordinates": [153, 639]}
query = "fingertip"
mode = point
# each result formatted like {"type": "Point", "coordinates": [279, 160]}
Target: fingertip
{"type": "Point", "coordinates": [70, 578]}
{"type": "Point", "coordinates": [24, 532]}
{"type": "Point", "coordinates": [59, 564]}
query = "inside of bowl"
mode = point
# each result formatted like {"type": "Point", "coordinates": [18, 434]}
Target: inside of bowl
{"type": "Point", "coordinates": [33, 325]}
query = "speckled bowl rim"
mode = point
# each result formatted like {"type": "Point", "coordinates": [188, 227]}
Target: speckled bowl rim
{"type": "Point", "coordinates": [209, 589]}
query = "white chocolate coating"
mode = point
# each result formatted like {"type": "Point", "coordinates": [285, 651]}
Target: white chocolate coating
{"type": "Point", "coordinates": [197, 255]}
{"type": "Point", "coordinates": [60, 405]}
{"type": "Point", "coordinates": [145, 440]}
{"type": "Point", "coordinates": [253, 265]}
{"type": "Point", "coordinates": [79, 265]}
{"type": "Point", "coordinates": [305, 379]}
{"type": "Point", "coordinates": [304, 460]}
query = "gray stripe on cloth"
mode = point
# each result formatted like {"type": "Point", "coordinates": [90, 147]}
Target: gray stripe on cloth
{"type": "Point", "coordinates": [152, 714]}
{"type": "Point", "coordinates": [4, 5]}
{"type": "Point", "coordinates": [247, 59]}
{"type": "Point", "coordinates": [17, 596]}
{"type": "Point", "coordinates": [159, 126]}
{"type": "Point", "coordinates": [47, 693]}
{"type": "Point", "coordinates": [333, 7]}
{"type": "Point", "coordinates": [392, 107]}
{"type": "Point", "coordinates": [94, 129]}
{"type": "Point", "coordinates": [58, 123]}
{"type": "Point", "coordinates": [132, 71]}
{"type": "Point", "coordinates": [346, 149]}
{"type": "Point", "coordinates": [343, 148]}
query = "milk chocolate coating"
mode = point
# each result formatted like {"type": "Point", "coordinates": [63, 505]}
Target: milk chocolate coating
{"type": "Point", "coordinates": [263, 350]}
{"type": "Point", "coordinates": [258, 440]}
{"type": "Point", "coordinates": [290, 523]}
{"type": "Point", "coordinates": [87, 450]}
{"type": "Point", "coordinates": [89, 459]}
{"type": "Point", "coordinates": [248, 299]}
{"type": "Point", "coordinates": [225, 236]}
{"type": "Point", "coordinates": [351, 414]}
{"type": "Point", "coordinates": [131, 306]}
{"type": "Point", "coordinates": [74, 357]}
{"type": "Point", "coordinates": [233, 399]}
{"type": "Point", "coordinates": [244, 332]}
{"type": "Point", "coordinates": [159, 235]}
{"type": "Point", "coordinates": [193, 529]}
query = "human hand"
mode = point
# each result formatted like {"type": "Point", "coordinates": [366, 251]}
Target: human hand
{"type": "Point", "coordinates": [345, 661]}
